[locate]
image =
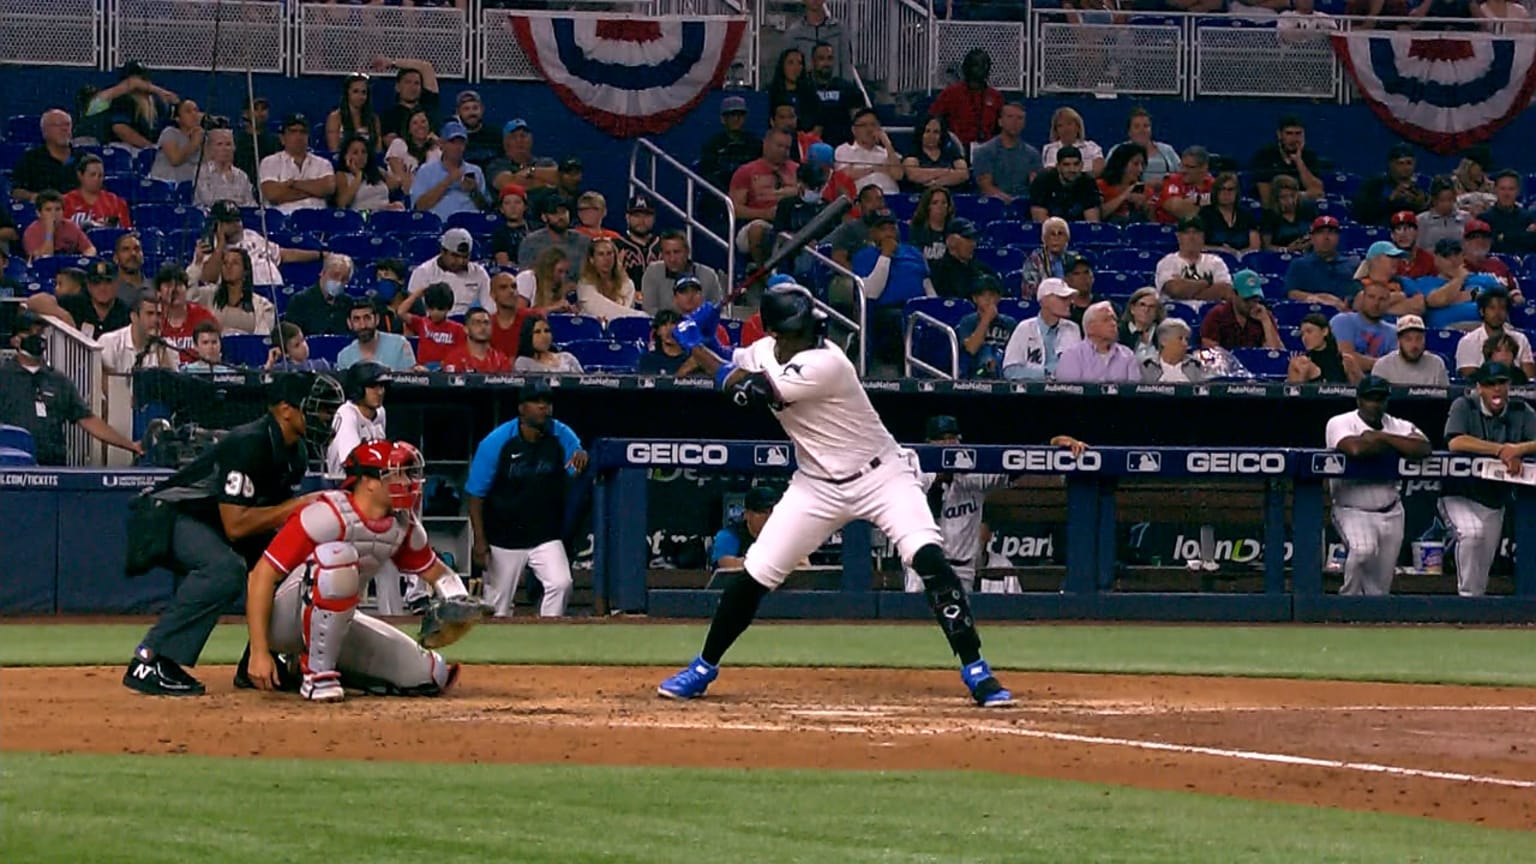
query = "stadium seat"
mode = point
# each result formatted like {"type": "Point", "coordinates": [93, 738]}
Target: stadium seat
{"type": "Point", "coordinates": [419, 249]}
{"type": "Point", "coordinates": [1007, 232]}
{"type": "Point", "coordinates": [153, 192]}
{"type": "Point", "coordinates": [1151, 237]}
{"type": "Point", "coordinates": [24, 129]}
{"type": "Point", "coordinates": [296, 240]}
{"type": "Point", "coordinates": [1264, 362]}
{"type": "Point", "coordinates": [269, 220]}
{"type": "Point", "coordinates": [1019, 309]}
{"type": "Point", "coordinates": [1135, 260]}
{"type": "Point", "coordinates": [181, 245]}
{"type": "Point", "coordinates": [16, 438]}
{"type": "Point", "coordinates": [326, 223]}
{"type": "Point", "coordinates": [366, 248]}
{"type": "Point", "coordinates": [1002, 259]}
{"type": "Point", "coordinates": [23, 213]}
{"type": "Point", "coordinates": [116, 160]}
{"type": "Point", "coordinates": [1268, 263]}
{"type": "Point", "coordinates": [931, 345]}
{"type": "Point", "coordinates": [946, 309]}
{"type": "Point", "coordinates": [1442, 341]}
{"type": "Point", "coordinates": [902, 206]}
{"type": "Point", "coordinates": [168, 217]}
{"type": "Point", "coordinates": [1186, 313]}
{"type": "Point", "coordinates": [105, 239]}
{"type": "Point", "coordinates": [1522, 317]}
{"type": "Point", "coordinates": [13, 458]}
{"type": "Point", "coordinates": [732, 330]}
{"type": "Point", "coordinates": [301, 273]}
{"type": "Point", "coordinates": [574, 328]}
{"type": "Point", "coordinates": [44, 269]}
{"type": "Point", "coordinates": [144, 160]}
{"type": "Point", "coordinates": [405, 223]}
{"type": "Point", "coordinates": [1095, 232]}
{"type": "Point", "coordinates": [10, 154]}
{"type": "Point", "coordinates": [248, 350]}
{"type": "Point", "coordinates": [635, 329]}
{"type": "Point", "coordinates": [1116, 284]}
{"type": "Point", "coordinates": [1342, 183]}
{"type": "Point", "coordinates": [1288, 313]}
{"type": "Point", "coordinates": [479, 225]}
{"type": "Point", "coordinates": [601, 355]}
{"type": "Point", "coordinates": [978, 209]}
{"type": "Point", "coordinates": [326, 347]}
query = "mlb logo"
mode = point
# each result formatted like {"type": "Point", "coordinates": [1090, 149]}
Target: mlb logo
{"type": "Point", "coordinates": [771, 456]}
{"type": "Point", "coordinates": [1328, 463]}
{"type": "Point", "coordinates": [963, 459]}
{"type": "Point", "coordinates": [1144, 463]}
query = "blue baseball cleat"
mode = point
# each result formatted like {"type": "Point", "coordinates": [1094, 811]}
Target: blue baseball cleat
{"type": "Point", "coordinates": [984, 688]}
{"type": "Point", "coordinates": [691, 682]}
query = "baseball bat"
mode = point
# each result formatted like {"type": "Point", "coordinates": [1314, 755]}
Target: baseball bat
{"type": "Point", "coordinates": [819, 225]}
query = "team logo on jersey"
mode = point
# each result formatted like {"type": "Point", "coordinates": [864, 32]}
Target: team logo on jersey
{"type": "Point", "coordinates": [958, 459]}
{"type": "Point", "coordinates": [1144, 463]}
{"type": "Point", "coordinates": [771, 456]}
{"type": "Point", "coordinates": [1328, 463]}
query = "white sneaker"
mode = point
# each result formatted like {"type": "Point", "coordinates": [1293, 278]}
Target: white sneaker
{"type": "Point", "coordinates": [322, 687]}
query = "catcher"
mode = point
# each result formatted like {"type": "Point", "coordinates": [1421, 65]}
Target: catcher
{"type": "Point", "coordinates": [324, 556]}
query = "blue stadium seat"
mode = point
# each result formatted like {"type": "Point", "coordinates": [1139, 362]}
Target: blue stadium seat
{"type": "Point", "coordinates": [124, 186]}
{"type": "Point", "coordinates": [573, 328]}
{"type": "Point", "coordinates": [282, 295]}
{"type": "Point", "coordinates": [1019, 309]}
{"type": "Point", "coordinates": [116, 160]}
{"type": "Point", "coordinates": [301, 273]}
{"type": "Point", "coordinates": [1510, 261]}
{"type": "Point", "coordinates": [297, 240]}
{"type": "Point", "coordinates": [152, 239]}
{"type": "Point", "coordinates": [732, 330]}
{"type": "Point", "coordinates": [153, 192]}
{"type": "Point", "coordinates": [1522, 317]}
{"type": "Point", "coordinates": [327, 347]}
{"type": "Point", "coordinates": [168, 217]}
{"type": "Point", "coordinates": [145, 160]}
{"type": "Point", "coordinates": [24, 129]}
{"type": "Point", "coordinates": [44, 269]}
{"type": "Point", "coordinates": [479, 225]}
{"type": "Point", "coordinates": [419, 249]}
{"type": "Point", "coordinates": [181, 245]}
{"type": "Point", "coordinates": [1264, 362]}
{"type": "Point", "coordinates": [1095, 232]}
{"type": "Point", "coordinates": [635, 329]}
{"type": "Point", "coordinates": [105, 239]}
{"type": "Point", "coordinates": [1442, 341]}
{"type": "Point", "coordinates": [1151, 237]}
{"type": "Point", "coordinates": [946, 309]}
{"type": "Point", "coordinates": [1116, 284]}
{"type": "Point", "coordinates": [245, 349]}
{"type": "Point", "coordinates": [601, 355]}
{"type": "Point", "coordinates": [1288, 313]}
{"type": "Point", "coordinates": [13, 458]}
{"type": "Point", "coordinates": [326, 223]}
{"type": "Point", "coordinates": [1007, 232]}
{"type": "Point", "coordinates": [10, 154]}
{"type": "Point", "coordinates": [1342, 183]}
{"type": "Point", "coordinates": [1002, 259]}
{"type": "Point", "coordinates": [931, 345]}
{"type": "Point", "coordinates": [978, 209]}
{"type": "Point", "coordinates": [1234, 264]}
{"type": "Point", "coordinates": [16, 438]}
{"type": "Point", "coordinates": [1269, 263]}
{"type": "Point", "coordinates": [1186, 313]}
{"type": "Point", "coordinates": [1135, 260]}
{"type": "Point", "coordinates": [405, 223]}
{"type": "Point", "coordinates": [252, 217]}
{"type": "Point", "coordinates": [902, 206]}
{"type": "Point", "coordinates": [366, 248]}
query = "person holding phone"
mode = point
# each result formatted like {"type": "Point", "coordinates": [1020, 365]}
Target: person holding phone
{"type": "Point", "coordinates": [1124, 193]}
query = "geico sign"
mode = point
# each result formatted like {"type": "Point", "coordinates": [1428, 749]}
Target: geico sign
{"type": "Point", "coordinates": [682, 453]}
{"type": "Point", "coordinates": [1235, 463]}
{"type": "Point", "coordinates": [1437, 466]}
{"type": "Point", "coordinates": [1050, 460]}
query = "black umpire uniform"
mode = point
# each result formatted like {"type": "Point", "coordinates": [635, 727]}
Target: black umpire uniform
{"type": "Point", "coordinates": [253, 466]}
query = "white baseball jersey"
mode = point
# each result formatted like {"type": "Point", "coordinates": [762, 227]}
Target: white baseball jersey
{"type": "Point", "coordinates": [826, 412]}
{"type": "Point", "coordinates": [351, 427]}
{"type": "Point", "coordinates": [960, 517]}
{"type": "Point", "coordinates": [1365, 494]}
{"type": "Point", "coordinates": [397, 538]}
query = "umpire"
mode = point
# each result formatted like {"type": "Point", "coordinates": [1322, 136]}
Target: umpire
{"type": "Point", "coordinates": [210, 521]}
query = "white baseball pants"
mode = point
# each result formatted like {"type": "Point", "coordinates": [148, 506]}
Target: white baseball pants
{"type": "Point", "coordinates": [890, 496]}
{"type": "Point", "coordinates": [549, 564]}
{"type": "Point", "coordinates": [1476, 530]}
{"type": "Point", "coordinates": [1374, 541]}
{"type": "Point", "coordinates": [913, 583]}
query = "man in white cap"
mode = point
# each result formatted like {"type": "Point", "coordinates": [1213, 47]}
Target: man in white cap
{"type": "Point", "coordinates": [1037, 343]}
{"type": "Point", "coordinates": [470, 283]}
{"type": "Point", "coordinates": [1410, 364]}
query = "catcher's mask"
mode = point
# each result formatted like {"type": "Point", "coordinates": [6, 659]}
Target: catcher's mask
{"type": "Point", "coordinates": [397, 464]}
{"type": "Point", "coordinates": [319, 407]}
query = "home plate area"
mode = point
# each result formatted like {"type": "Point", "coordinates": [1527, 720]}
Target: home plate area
{"type": "Point", "coordinates": [1460, 753]}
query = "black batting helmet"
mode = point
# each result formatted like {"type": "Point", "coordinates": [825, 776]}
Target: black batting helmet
{"type": "Point", "coordinates": [942, 426]}
{"type": "Point", "coordinates": [363, 375]}
{"type": "Point", "coordinates": [790, 308]}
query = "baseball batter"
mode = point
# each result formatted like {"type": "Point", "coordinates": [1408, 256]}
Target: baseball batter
{"type": "Point", "coordinates": [849, 468]}
{"type": "Point", "coordinates": [323, 557]}
{"type": "Point", "coordinates": [1369, 513]}
{"type": "Point", "coordinates": [956, 502]}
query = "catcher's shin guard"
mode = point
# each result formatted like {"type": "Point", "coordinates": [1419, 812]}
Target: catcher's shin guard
{"type": "Point", "coordinates": [332, 587]}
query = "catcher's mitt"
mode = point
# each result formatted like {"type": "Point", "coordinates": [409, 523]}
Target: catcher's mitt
{"type": "Point", "coordinates": [447, 620]}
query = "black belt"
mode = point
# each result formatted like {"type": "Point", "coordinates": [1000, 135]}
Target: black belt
{"type": "Point", "coordinates": [839, 481]}
{"type": "Point", "coordinates": [960, 562]}
{"type": "Point", "coordinates": [1387, 509]}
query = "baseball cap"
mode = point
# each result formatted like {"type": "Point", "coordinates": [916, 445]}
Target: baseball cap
{"type": "Point", "coordinates": [554, 202]}
{"type": "Point", "coordinates": [1447, 246]}
{"type": "Point", "coordinates": [1399, 151]}
{"type": "Point", "coordinates": [1491, 372]}
{"type": "Point", "coordinates": [517, 125]}
{"type": "Point", "coordinates": [640, 204]}
{"type": "Point", "coordinates": [820, 153]}
{"type": "Point", "coordinates": [1406, 323]}
{"type": "Point", "coordinates": [1405, 217]}
{"type": "Point", "coordinates": [985, 281]}
{"type": "Point", "coordinates": [963, 227]}
{"type": "Point", "coordinates": [1054, 287]}
{"type": "Point", "coordinates": [1248, 284]}
{"type": "Point", "coordinates": [1384, 247]}
{"type": "Point", "coordinates": [569, 164]}
{"type": "Point", "coordinates": [1191, 223]}
{"type": "Point", "coordinates": [293, 120]}
{"type": "Point", "coordinates": [101, 271]}
{"type": "Point", "coordinates": [514, 190]}
{"type": "Point", "coordinates": [1072, 260]}
{"type": "Point", "coordinates": [536, 390]}
{"type": "Point", "coordinates": [878, 218]}
{"type": "Point", "coordinates": [1325, 223]}
{"type": "Point", "coordinates": [453, 129]}
{"type": "Point", "coordinates": [1477, 227]}
{"type": "Point", "coordinates": [1373, 385]}
{"type": "Point", "coordinates": [733, 105]}
{"type": "Point", "coordinates": [225, 211]}
{"type": "Point", "coordinates": [940, 426]}
{"type": "Point", "coordinates": [458, 240]}
{"type": "Point", "coordinates": [687, 282]}
{"type": "Point", "coordinates": [780, 279]}
{"type": "Point", "coordinates": [760, 499]}
{"type": "Point", "coordinates": [470, 96]}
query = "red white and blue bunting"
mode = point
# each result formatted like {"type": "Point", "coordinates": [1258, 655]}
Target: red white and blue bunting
{"type": "Point", "coordinates": [1444, 92]}
{"type": "Point", "coordinates": [634, 76]}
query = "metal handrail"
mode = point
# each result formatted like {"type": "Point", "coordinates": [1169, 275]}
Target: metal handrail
{"type": "Point", "coordinates": [954, 347]}
{"type": "Point", "coordinates": [78, 357]}
{"type": "Point", "coordinates": [858, 327]}
{"type": "Point", "coordinates": [693, 183]}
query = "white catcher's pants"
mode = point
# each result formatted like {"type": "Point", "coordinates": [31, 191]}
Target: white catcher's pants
{"type": "Point", "coordinates": [549, 565]}
{"type": "Point", "coordinates": [1476, 530]}
{"type": "Point", "coordinates": [386, 590]}
{"type": "Point", "coordinates": [1374, 541]}
{"type": "Point", "coordinates": [913, 583]}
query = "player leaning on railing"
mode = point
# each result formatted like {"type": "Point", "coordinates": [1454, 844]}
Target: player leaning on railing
{"type": "Point", "coordinates": [850, 468]}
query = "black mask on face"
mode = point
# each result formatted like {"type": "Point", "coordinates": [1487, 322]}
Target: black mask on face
{"type": "Point", "coordinates": [34, 345]}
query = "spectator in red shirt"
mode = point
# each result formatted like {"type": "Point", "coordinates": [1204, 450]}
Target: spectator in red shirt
{"type": "Point", "coordinates": [511, 311]}
{"type": "Point", "coordinates": [970, 106]}
{"type": "Point", "coordinates": [179, 317]}
{"type": "Point", "coordinates": [1477, 243]}
{"type": "Point", "coordinates": [436, 336]}
{"type": "Point", "coordinates": [52, 234]}
{"type": "Point", "coordinates": [756, 189]}
{"type": "Point", "coordinates": [1184, 193]}
{"type": "Point", "coordinates": [1243, 321]}
{"type": "Point", "coordinates": [752, 329]}
{"type": "Point", "coordinates": [1405, 236]}
{"type": "Point", "coordinates": [477, 354]}
{"type": "Point", "coordinates": [91, 205]}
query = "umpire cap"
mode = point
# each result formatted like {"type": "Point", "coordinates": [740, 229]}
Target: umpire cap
{"type": "Point", "coordinates": [790, 308]}
{"type": "Point", "coordinates": [360, 376]}
{"type": "Point", "coordinates": [942, 426]}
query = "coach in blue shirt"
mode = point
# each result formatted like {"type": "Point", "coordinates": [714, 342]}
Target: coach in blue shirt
{"type": "Point", "coordinates": [729, 551]}
{"type": "Point", "coordinates": [450, 185]}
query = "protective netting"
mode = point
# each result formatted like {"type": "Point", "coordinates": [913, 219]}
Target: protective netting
{"type": "Point", "coordinates": [179, 34]}
{"type": "Point", "coordinates": [1264, 61]}
{"type": "Point", "coordinates": [340, 40]}
{"type": "Point", "coordinates": [1130, 59]}
{"type": "Point", "coordinates": [1002, 41]}
{"type": "Point", "coordinates": [61, 33]}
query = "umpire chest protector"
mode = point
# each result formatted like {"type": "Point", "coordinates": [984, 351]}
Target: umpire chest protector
{"type": "Point", "coordinates": [376, 541]}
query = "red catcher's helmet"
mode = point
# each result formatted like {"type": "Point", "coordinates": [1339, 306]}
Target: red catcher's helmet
{"type": "Point", "coordinates": [396, 463]}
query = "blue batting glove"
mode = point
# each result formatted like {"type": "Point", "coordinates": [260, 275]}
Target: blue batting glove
{"type": "Point", "coordinates": [707, 317]}
{"type": "Point", "coordinates": [688, 334]}
{"type": "Point", "coordinates": [723, 373]}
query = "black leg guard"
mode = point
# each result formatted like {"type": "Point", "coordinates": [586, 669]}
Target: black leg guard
{"type": "Point", "coordinates": [738, 606]}
{"type": "Point", "coordinates": [942, 588]}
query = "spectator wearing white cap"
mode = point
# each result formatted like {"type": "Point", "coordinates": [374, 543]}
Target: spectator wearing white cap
{"type": "Point", "coordinates": [470, 283]}
{"type": "Point", "coordinates": [1099, 358]}
{"type": "Point", "coordinates": [450, 185]}
{"type": "Point", "coordinates": [1411, 364]}
{"type": "Point", "coordinates": [1037, 343]}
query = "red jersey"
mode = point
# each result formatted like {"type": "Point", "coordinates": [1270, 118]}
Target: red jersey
{"type": "Point", "coordinates": [752, 329]}
{"type": "Point", "coordinates": [109, 211]}
{"type": "Point", "coordinates": [333, 518]}
{"type": "Point", "coordinates": [180, 338]}
{"type": "Point", "coordinates": [839, 183]}
{"type": "Point", "coordinates": [505, 339]}
{"type": "Point", "coordinates": [435, 341]}
{"type": "Point", "coordinates": [1418, 264]}
{"type": "Point", "coordinates": [1175, 186]}
{"type": "Point", "coordinates": [971, 114]}
{"type": "Point", "coordinates": [463, 361]}
{"type": "Point", "coordinates": [1495, 268]}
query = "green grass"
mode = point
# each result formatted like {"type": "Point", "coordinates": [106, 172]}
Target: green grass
{"type": "Point", "coordinates": [1410, 654]}
{"type": "Point", "coordinates": [169, 810]}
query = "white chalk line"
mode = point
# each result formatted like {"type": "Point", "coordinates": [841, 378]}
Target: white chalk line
{"type": "Point", "coordinates": [1137, 710]}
